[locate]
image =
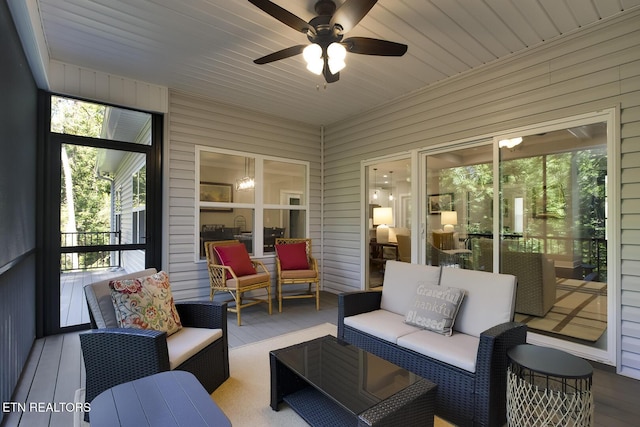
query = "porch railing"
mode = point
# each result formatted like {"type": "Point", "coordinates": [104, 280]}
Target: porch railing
{"type": "Point", "coordinates": [591, 252]}
{"type": "Point", "coordinates": [90, 238]}
{"type": "Point", "coordinates": [86, 258]}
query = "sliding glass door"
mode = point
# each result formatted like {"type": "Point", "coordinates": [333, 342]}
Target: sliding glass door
{"type": "Point", "coordinates": [532, 203]}
{"type": "Point", "coordinates": [554, 231]}
{"type": "Point", "coordinates": [389, 207]}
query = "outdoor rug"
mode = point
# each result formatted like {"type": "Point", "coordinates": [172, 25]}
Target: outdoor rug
{"type": "Point", "coordinates": [580, 311]}
{"type": "Point", "coordinates": [245, 396]}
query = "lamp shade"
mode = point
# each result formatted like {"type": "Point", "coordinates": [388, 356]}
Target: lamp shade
{"type": "Point", "coordinates": [382, 216]}
{"type": "Point", "coordinates": [448, 219]}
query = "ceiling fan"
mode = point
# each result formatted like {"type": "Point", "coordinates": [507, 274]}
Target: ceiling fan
{"type": "Point", "coordinates": [325, 55]}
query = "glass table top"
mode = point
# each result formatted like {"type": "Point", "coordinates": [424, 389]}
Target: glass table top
{"type": "Point", "coordinates": [348, 375]}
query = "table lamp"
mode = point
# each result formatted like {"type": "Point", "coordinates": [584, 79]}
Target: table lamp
{"type": "Point", "coordinates": [383, 218]}
{"type": "Point", "coordinates": [448, 219]}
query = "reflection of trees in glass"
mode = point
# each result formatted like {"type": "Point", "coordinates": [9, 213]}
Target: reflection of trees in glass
{"type": "Point", "coordinates": [565, 195]}
{"type": "Point", "coordinates": [591, 175]}
{"type": "Point", "coordinates": [476, 182]}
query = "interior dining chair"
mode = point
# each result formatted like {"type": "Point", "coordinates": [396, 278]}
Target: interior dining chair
{"type": "Point", "coordinates": [404, 247]}
{"type": "Point", "coordinates": [296, 266]}
{"type": "Point", "coordinates": [232, 270]}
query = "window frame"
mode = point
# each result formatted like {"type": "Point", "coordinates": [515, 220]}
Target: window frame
{"type": "Point", "coordinates": [258, 205]}
{"type": "Point", "coordinates": [138, 210]}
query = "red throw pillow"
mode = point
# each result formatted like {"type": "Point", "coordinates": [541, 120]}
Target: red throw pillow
{"type": "Point", "coordinates": [236, 257]}
{"type": "Point", "coordinates": [293, 256]}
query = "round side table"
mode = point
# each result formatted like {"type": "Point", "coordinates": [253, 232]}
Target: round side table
{"type": "Point", "coordinates": [548, 387]}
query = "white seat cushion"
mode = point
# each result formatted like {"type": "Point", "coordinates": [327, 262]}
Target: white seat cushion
{"type": "Point", "coordinates": [382, 324]}
{"type": "Point", "coordinates": [188, 342]}
{"type": "Point", "coordinates": [459, 350]}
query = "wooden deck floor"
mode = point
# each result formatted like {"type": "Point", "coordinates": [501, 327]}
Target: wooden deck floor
{"type": "Point", "coordinates": [55, 369]}
{"type": "Point", "coordinates": [73, 305]}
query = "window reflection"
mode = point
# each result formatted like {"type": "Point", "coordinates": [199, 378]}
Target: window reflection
{"type": "Point", "coordinates": [230, 184]}
{"type": "Point", "coordinates": [459, 206]}
{"type": "Point", "coordinates": [284, 183]}
{"type": "Point", "coordinates": [388, 216]}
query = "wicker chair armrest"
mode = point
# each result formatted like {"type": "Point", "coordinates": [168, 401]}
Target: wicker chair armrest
{"type": "Point", "coordinates": [352, 303]}
{"type": "Point", "coordinates": [107, 356]}
{"type": "Point", "coordinates": [491, 367]}
{"type": "Point", "coordinates": [313, 263]}
{"type": "Point", "coordinates": [203, 314]}
{"type": "Point", "coordinates": [495, 341]}
{"type": "Point", "coordinates": [218, 274]}
{"type": "Point", "coordinates": [257, 264]}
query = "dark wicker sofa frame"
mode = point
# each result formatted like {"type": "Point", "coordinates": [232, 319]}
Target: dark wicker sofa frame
{"type": "Point", "coordinates": [463, 398]}
{"type": "Point", "coordinates": [114, 356]}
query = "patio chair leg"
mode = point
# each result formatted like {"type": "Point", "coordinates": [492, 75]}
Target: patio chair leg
{"type": "Point", "coordinates": [279, 297]}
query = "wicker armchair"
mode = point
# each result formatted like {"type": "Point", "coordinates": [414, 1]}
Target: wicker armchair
{"type": "Point", "coordinates": [222, 278]}
{"type": "Point", "coordinates": [307, 275]}
{"type": "Point", "coordinates": [536, 275]}
{"type": "Point", "coordinates": [114, 355]}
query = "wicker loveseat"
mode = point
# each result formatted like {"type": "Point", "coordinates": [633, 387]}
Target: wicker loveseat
{"type": "Point", "coordinates": [114, 355]}
{"type": "Point", "coordinates": [470, 367]}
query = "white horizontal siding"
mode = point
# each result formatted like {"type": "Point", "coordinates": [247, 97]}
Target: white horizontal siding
{"type": "Point", "coordinates": [131, 260]}
{"type": "Point", "coordinates": [595, 69]}
{"type": "Point", "coordinates": [196, 121]}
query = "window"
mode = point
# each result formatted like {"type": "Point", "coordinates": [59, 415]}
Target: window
{"type": "Point", "coordinates": [139, 205]}
{"type": "Point", "coordinates": [240, 193]}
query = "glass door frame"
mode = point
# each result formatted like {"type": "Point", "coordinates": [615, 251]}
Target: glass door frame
{"type": "Point", "coordinates": [48, 216]}
{"type": "Point", "coordinates": [612, 118]}
{"type": "Point", "coordinates": [412, 156]}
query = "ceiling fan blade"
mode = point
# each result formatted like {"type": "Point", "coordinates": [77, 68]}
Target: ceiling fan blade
{"type": "Point", "coordinates": [281, 54]}
{"type": "Point", "coordinates": [368, 46]}
{"type": "Point", "coordinates": [351, 12]}
{"type": "Point", "coordinates": [284, 16]}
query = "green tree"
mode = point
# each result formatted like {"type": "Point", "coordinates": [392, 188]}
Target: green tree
{"type": "Point", "coordinates": [85, 197]}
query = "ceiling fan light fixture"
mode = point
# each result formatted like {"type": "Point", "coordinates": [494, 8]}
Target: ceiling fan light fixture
{"type": "Point", "coordinates": [509, 143]}
{"type": "Point", "coordinates": [336, 53]}
{"type": "Point", "coordinates": [325, 31]}
{"type": "Point", "coordinates": [312, 54]}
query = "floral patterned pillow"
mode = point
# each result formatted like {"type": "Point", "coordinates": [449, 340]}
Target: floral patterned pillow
{"type": "Point", "coordinates": [145, 303]}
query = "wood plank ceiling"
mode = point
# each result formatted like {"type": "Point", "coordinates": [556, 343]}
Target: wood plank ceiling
{"type": "Point", "coordinates": [206, 47]}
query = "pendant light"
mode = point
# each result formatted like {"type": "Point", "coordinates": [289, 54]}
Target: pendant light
{"type": "Point", "coordinates": [375, 184]}
{"type": "Point", "coordinates": [247, 182]}
{"type": "Point", "coordinates": [391, 187]}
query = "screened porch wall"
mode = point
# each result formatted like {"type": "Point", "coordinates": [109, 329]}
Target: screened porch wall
{"type": "Point", "coordinates": [18, 166]}
{"type": "Point", "coordinates": [595, 69]}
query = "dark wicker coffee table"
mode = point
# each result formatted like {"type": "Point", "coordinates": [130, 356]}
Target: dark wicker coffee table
{"type": "Point", "coordinates": [328, 382]}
